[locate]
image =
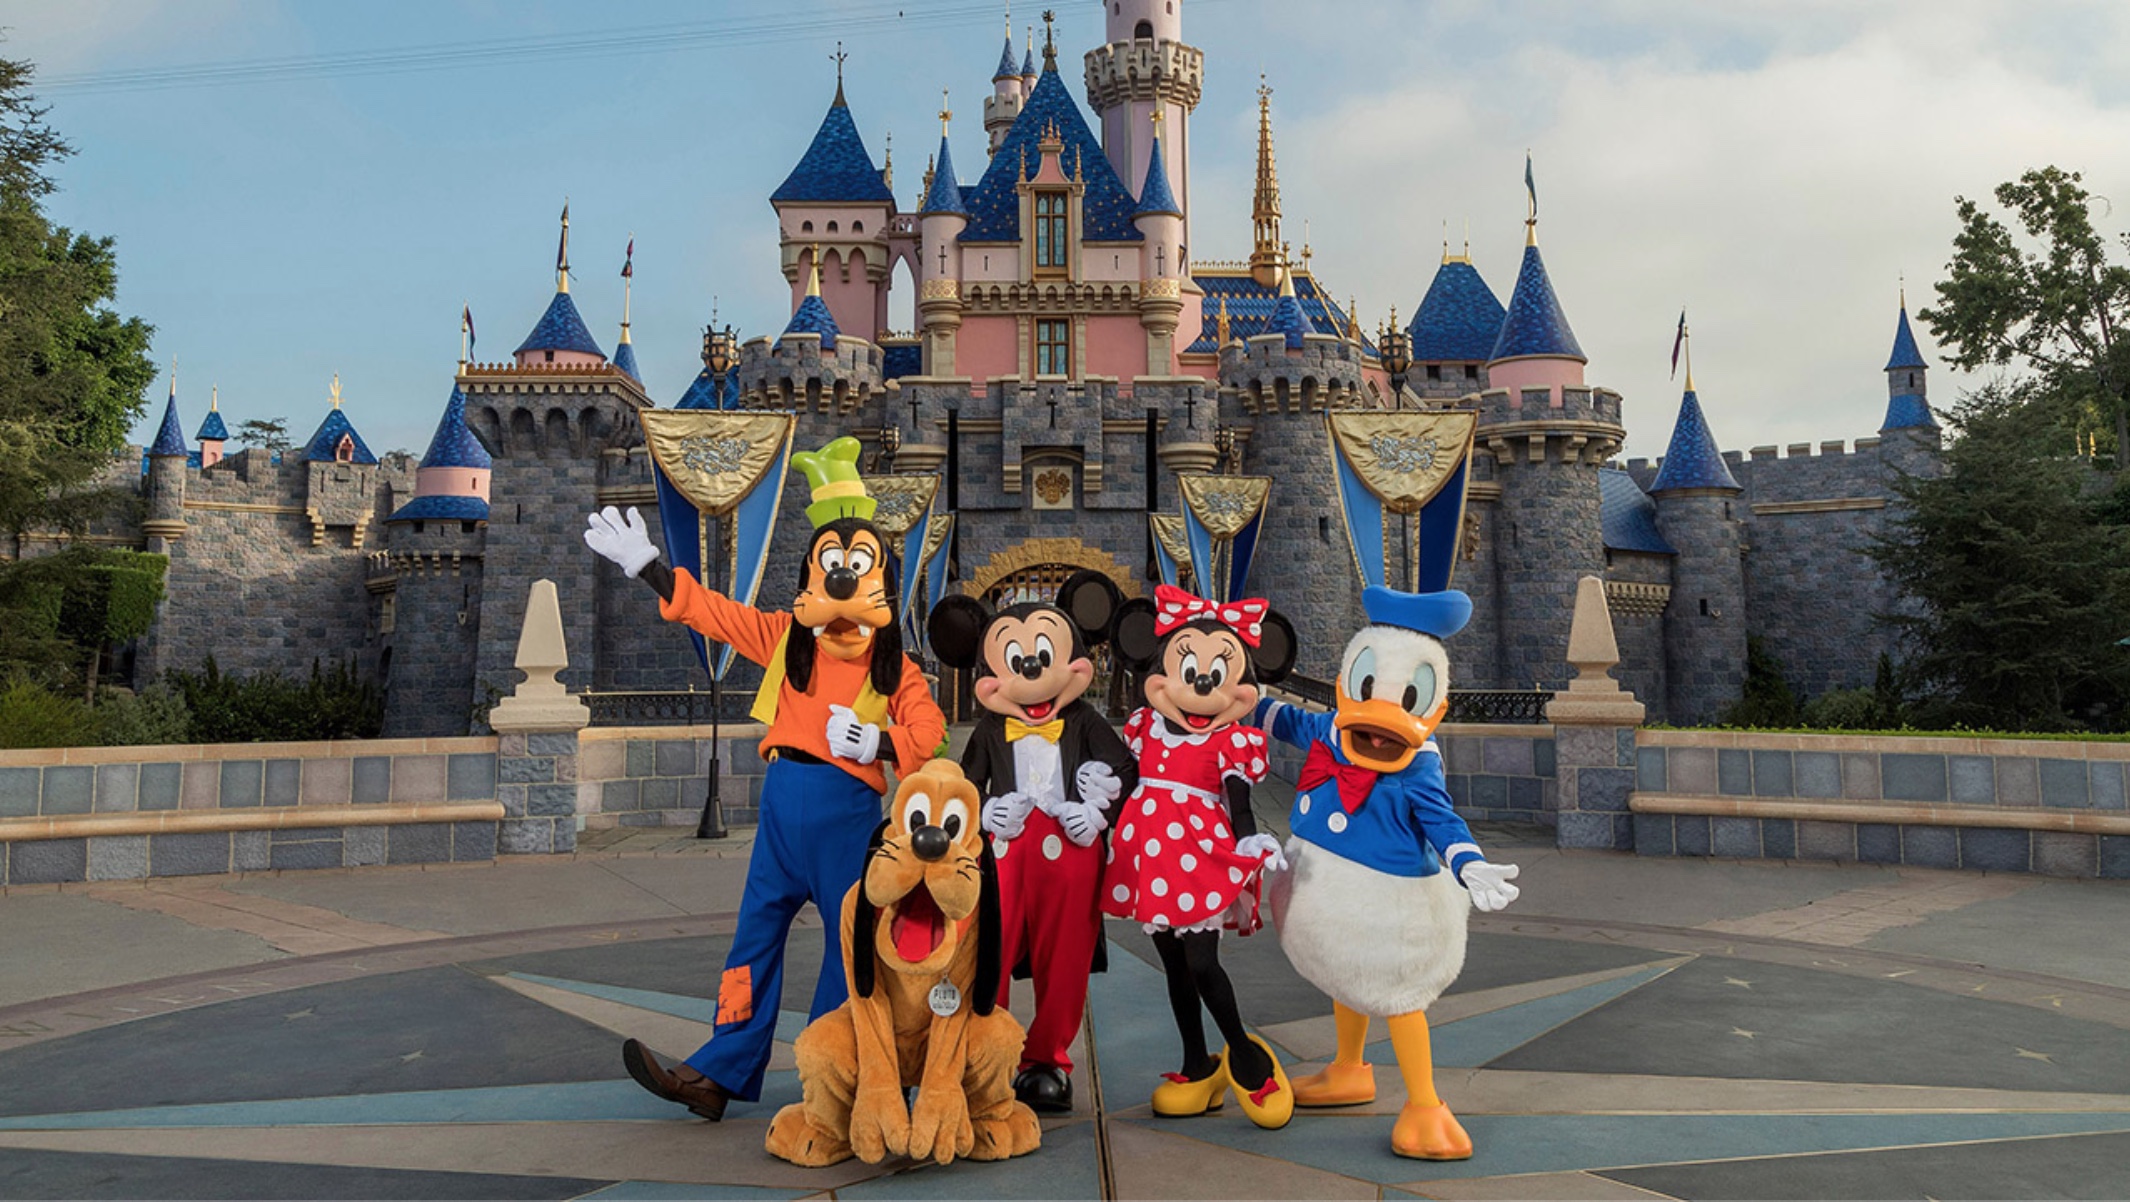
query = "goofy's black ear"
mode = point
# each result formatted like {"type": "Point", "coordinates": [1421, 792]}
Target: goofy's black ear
{"type": "Point", "coordinates": [1133, 635]}
{"type": "Point", "coordinates": [1091, 600]}
{"type": "Point", "coordinates": [984, 990]}
{"type": "Point", "coordinates": [1276, 649]}
{"type": "Point", "coordinates": [864, 922]}
{"type": "Point", "coordinates": [956, 627]}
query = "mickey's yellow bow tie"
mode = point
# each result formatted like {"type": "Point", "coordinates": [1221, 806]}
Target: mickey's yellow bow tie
{"type": "Point", "coordinates": [1049, 731]}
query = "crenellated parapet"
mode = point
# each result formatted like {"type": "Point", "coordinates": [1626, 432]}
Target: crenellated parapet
{"type": "Point", "coordinates": [1266, 376]}
{"type": "Point", "coordinates": [551, 411]}
{"type": "Point", "coordinates": [1145, 69]}
{"type": "Point", "coordinates": [1525, 424]}
{"type": "Point", "coordinates": [792, 371]}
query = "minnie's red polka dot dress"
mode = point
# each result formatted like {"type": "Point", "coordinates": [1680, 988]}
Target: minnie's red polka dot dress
{"type": "Point", "coordinates": [1172, 854]}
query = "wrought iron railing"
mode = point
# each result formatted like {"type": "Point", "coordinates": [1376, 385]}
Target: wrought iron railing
{"type": "Point", "coordinates": [1506, 706]}
{"type": "Point", "coordinates": [673, 708]}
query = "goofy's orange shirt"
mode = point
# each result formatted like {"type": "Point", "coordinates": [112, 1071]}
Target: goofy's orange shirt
{"type": "Point", "coordinates": [916, 727]}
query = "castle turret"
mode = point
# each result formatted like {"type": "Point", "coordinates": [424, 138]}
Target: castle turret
{"type": "Point", "coordinates": [560, 337]}
{"type": "Point", "coordinates": [1704, 625]}
{"type": "Point", "coordinates": [1535, 348]}
{"type": "Point", "coordinates": [941, 219]}
{"type": "Point", "coordinates": [1454, 331]}
{"type": "Point", "coordinates": [833, 214]}
{"type": "Point", "coordinates": [1007, 92]}
{"type": "Point", "coordinates": [212, 432]}
{"type": "Point", "coordinates": [1143, 68]}
{"type": "Point", "coordinates": [166, 478]}
{"type": "Point", "coordinates": [1159, 216]}
{"type": "Point", "coordinates": [1909, 436]}
{"type": "Point", "coordinates": [342, 490]}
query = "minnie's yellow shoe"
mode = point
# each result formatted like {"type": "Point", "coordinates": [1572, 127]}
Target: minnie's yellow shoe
{"type": "Point", "coordinates": [1336, 1085]}
{"type": "Point", "coordinates": [1180, 1097]}
{"type": "Point", "coordinates": [1271, 1105]}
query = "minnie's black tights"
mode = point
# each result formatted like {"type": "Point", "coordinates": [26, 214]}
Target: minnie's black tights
{"type": "Point", "coordinates": [1192, 961]}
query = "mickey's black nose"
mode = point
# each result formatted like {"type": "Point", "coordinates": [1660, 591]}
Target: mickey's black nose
{"type": "Point", "coordinates": [929, 842]}
{"type": "Point", "coordinates": [842, 583]}
{"type": "Point", "coordinates": [1032, 668]}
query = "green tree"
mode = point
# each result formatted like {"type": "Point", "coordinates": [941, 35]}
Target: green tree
{"type": "Point", "coordinates": [269, 433]}
{"type": "Point", "coordinates": [2050, 302]}
{"type": "Point", "coordinates": [72, 371]}
{"type": "Point", "coordinates": [60, 613]}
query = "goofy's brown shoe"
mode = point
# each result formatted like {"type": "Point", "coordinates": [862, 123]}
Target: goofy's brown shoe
{"type": "Point", "coordinates": [680, 1083]}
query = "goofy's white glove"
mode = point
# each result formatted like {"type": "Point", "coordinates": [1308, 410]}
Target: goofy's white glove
{"type": "Point", "coordinates": [1097, 784]}
{"type": "Point", "coordinates": [625, 540]}
{"type": "Point", "coordinates": [850, 738]}
{"type": "Point", "coordinates": [1265, 847]}
{"type": "Point", "coordinates": [1489, 884]}
{"type": "Point", "coordinates": [1083, 822]}
{"type": "Point", "coordinates": [1006, 816]}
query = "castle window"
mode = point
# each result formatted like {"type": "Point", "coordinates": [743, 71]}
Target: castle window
{"type": "Point", "coordinates": [550, 356]}
{"type": "Point", "coordinates": [1704, 607]}
{"type": "Point", "coordinates": [1145, 31]}
{"type": "Point", "coordinates": [1053, 347]}
{"type": "Point", "coordinates": [1471, 371]}
{"type": "Point", "coordinates": [1050, 229]}
{"type": "Point", "coordinates": [1434, 371]}
{"type": "Point", "coordinates": [857, 227]}
{"type": "Point", "coordinates": [806, 227]}
{"type": "Point", "coordinates": [344, 450]}
{"type": "Point", "coordinates": [831, 227]}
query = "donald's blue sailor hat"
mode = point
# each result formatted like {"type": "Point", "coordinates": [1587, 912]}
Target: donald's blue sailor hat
{"type": "Point", "coordinates": [1437, 614]}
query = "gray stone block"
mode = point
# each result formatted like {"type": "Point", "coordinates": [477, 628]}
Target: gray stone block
{"type": "Point", "coordinates": [1860, 776]}
{"type": "Point", "coordinates": [473, 841]}
{"type": "Point", "coordinates": [620, 796]}
{"type": "Point", "coordinates": [191, 853]}
{"type": "Point", "coordinates": [363, 845]}
{"type": "Point", "coordinates": [1653, 835]}
{"type": "Point", "coordinates": [1691, 770]}
{"type": "Point", "coordinates": [1817, 774]}
{"type": "Point", "coordinates": [1878, 843]}
{"type": "Point", "coordinates": [118, 858]}
{"type": "Point", "coordinates": [472, 777]}
{"type": "Point", "coordinates": [2115, 857]}
{"type": "Point", "coordinates": [1995, 849]}
{"type": "Point", "coordinates": [1603, 789]}
{"type": "Point", "coordinates": [1609, 832]}
{"type": "Point", "coordinates": [564, 836]}
{"type": "Point", "coordinates": [243, 783]}
{"type": "Point", "coordinates": [418, 843]}
{"type": "Point", "coordinates": [1507, 756]}
{"type": "Point", "coordinates": [118, 789]}
{"type": "Point", "coordinates": [19, 791]}
{"type": "Point", "coordinates": [160, 784]}
{"type": "Point", "coordinates": [550, 801]}
{"type": "Point", "coordinates": [1974, 779]}
{"type": "Point", "coordinates": [1930, 847]}
{"type": "Point", "coordinates": [1913, 777]}
{"type": "Point", "coordinates": [1623, 747]}
{"type": "Point", "coordinates": [513, 799]}
{"type": "Point", "coordinates": [525, 770]}
{"type": "Point", "coordinates": [660, 793]}
{"type": "Point", "coordinates": [1581, 745]}
{"type": "Point", "coordinates": [284, 782]}
{"type": "Point", "coordinates": [69, 790]}
{"type": "Point", "coordinates": [2064, 784]}
{"type": "Point", "coordinates": [1771, 774]}
{"type": "Point", "coordinates": [1490, 793]}
{"type": "Point", "coordinates": [2066, 853]}
{"type": "Point", "coordinates": [526, 836]}
{"type": "Point", "coordinates": [642, 758]}
{"type": "Point", "coordinates": [47, 861]}
{"type": "Point", "coordinates": [1778, 838]}
{"type": "Point", "coordinates": [1826, 840]}
{"type": "Point", "coordinates": [1734, 772]}
{"type": "Point", "coordinates": [373, 779]}
{"type": "Point", "coordinates": [1460, 790]}
{"type": "Point", "coordinates": [2018, 782]}
{"type": "Point", "coordinates": [551, 743]}
{"type": "Point", "coordinates": [2106, 779]}
{"type": "Point", "coordinates": [675, 757]}
{"type": "Point", "coordinates": [1735, 838]}
{"type": "Point", "coordinates": [251, 851]}
{"type": "Point", "coordinates": [1527, 793]}
{"type": "Point", "coordinates": [1690, 835]}
{"type": "Point", "coordinates": [1649, 771]}
{"type": "Point", "coordinates": [1543, 758]}
{"type": "Point", "coordinates": [310, 853]}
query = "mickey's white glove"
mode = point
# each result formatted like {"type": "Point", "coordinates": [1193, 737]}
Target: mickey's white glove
{"type": "Point", "coordinates": [851, 739]}
{"type": "Point", "coordinates": [1262, 846]}
{"type": "Point", "coordinates": [1097, 784]}
{"type": "Point", "coordinates": [1489, 884]}
{"type": "Point", "coordinates": [1006, 816]}
{"type": "Point", "coordinates": [625, 540]}
{"type": "Point", "coordinates": [1083, 823]}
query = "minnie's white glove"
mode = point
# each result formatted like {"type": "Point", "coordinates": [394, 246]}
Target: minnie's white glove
{"type": "Point", "coordinates": [1083, 823]}
{"type": "Point", "coordinates": [1489, 884]}
{"type": "Point", "coordinates": [1007, 815]}
{"type": "Point", "coordinates": [1265, 847]}
{"type": "Point", "coordinates": [1097, 784]}
{"type": "Point", "coordinates": [625, 540]}
{"type": "Point", "coordinates": [850, 738]}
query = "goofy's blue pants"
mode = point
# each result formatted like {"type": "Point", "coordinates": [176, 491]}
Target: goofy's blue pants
{"type": "Point", "coordinates": [816, 822]}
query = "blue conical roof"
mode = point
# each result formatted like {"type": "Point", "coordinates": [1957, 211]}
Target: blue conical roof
{"type": "Point", "coordinates": [945, 193]}
{"type": "Point", "coordinates": [813, 317]}
{"type": "Point", "coordinates": [212, 430]}
{"type": "Point", "coordinates": [561, 329]}
{"type": "Point", "coordinates": [995, 202]}
{"type": "Point", "coordinates": [1905, 355]}
{"type": "Point", "coordinates": [1156, 197]}
{"type": "Point", "coordinates": [320, 448]}
{"type": "Point", "coordinates": [836, 167]}
{"type": "Point", "coordinates": [170, 438]}
{"type": "Point", "coordinates": [1909, 411]}
{"type": "Point", "coordinates": [1692, 460]}
{"type": "Point", "coordinates": [1289, 319]}
{"type": "Point", "coordinates": [625, 359]}
{"type": "Point", "coordinates": [702, 392]}
{"type": "Point", "coordinates": [1535, 324]}
{"type": "Point", "coordinates": [1028, 63]}
{"type": "Point", "coordinates": [1007, 69]}
{"type": "Point", "coordinates": [454, 444]}
{"type": "Point", "coordinates": [1458, 319]}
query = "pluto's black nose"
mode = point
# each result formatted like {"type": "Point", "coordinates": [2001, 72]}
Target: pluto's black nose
{"type": "Point", "coordinates": [929, 842]}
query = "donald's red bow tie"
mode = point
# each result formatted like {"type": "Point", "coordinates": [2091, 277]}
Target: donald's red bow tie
{"type": "Point", "coordinates": [1355, 782]}
{"type": "Point", "coordinates": [1173, 608]}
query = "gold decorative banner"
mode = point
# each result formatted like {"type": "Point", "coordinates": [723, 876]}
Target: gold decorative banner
{"type": "Point", "coordinates": [903, 500]}
{"type": "Point", "coordinates": [1168, 531]}
{"type": "Point", "coordinates": [1224, 504]}
{"type": "Point", "coordinates": [715, 457]}
{"type": "Point", "coordinates": [935, 536]}
{"type": "Point", "coordinates": [1404, 458]}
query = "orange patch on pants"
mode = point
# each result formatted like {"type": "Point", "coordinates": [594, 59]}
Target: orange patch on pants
{"type": "Point", "coordinates": [735, 995]}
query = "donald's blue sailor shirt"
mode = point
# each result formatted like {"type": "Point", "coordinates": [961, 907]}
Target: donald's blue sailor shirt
{"type": "Point", "coordinates": [1406, 827]}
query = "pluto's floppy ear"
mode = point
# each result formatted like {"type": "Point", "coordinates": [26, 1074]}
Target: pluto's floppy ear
{"type": "Point", "coordinates": [956, 627]}
{"type": "Point", "coordinates": [1091, 601]}
{"type": "Point", "coordinates": [1276, 650]}
{"type": "Point", "coordinates": [1133, 634]}
{"type": "Point", "coordinates": [865, 922]}
{"type": "Point", "coordinates": [988, 934]}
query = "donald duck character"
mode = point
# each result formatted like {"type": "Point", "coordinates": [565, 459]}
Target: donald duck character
{"type": "Point", "coordinates": [1372, 910]}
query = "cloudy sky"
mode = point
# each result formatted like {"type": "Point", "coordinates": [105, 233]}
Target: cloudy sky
{"type": "Point", "coordinates": [1773, 167]}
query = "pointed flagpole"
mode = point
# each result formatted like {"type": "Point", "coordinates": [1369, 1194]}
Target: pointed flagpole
{"type": "Point", "coordinates": [628, 279]}
{"type": "Point", "coordinates": [465, 328]}
{"type": "Point", "coordinates": [562, 252]}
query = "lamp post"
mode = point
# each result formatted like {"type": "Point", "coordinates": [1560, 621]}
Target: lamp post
{"type": "Point", "coordinates": [718, 345]}
{"type": "Point", "coordinates": [1224, 446]}
{"type": "Point", "coordinates": [1395, 348]}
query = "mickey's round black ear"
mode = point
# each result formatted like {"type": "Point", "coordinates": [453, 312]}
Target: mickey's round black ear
{"type": "Point", "coordinates": [956, 627]}
{"type": "Point", "coordinates": [1090, 599]}
{"type": "Point", "coordinates": [1276, 649]}
{"type": "Point", "coordinates": [1133, 634]}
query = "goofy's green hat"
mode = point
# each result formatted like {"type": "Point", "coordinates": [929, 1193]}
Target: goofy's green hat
{"type": "Point", "coordinates": [832, 473]}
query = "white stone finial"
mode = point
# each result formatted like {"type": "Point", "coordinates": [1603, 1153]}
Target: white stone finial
{"type": "Point", "coordinates": [540, 703]}
{"type": "Point", "coordinates": [1593, 698]}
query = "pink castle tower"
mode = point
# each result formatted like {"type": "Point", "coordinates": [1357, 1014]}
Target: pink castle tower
{"type": "Point", "coordinates": [561, 337]}
{"type": "Point", "coordinates": [212, 432]}
{"type": "Point", "coordinates": [1535, 349]}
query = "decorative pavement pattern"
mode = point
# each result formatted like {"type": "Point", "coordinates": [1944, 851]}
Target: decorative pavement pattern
{"type": "Point", "coordinates": [1588, 1058]}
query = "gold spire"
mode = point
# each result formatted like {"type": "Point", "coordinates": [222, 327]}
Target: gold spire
{"type": "Point", "coordinates": [1353, 314]}
{"type": "Point", "coordinates": [214, 399]}
{"type": "Point", "coordinates": [1686, 339]}
{"type": "Point", "coordinates": [1267, 263]}
{"type": "Point", "coordinates": [562, 252]}
{"type": "Point", "coordinates": [1307, 253]}
{"type": "Point", "coordinates": [813, 278]}
{"type": "Point", "coordinates": [1286, 279]}
{"type": "Point", "coordinates": [1220, 323]}
{"type": "Point", "coordinates": [945, 114]}
{"type": "Point", "coordinates": [1446, 240]}
{"type": "Point", "coordinates": [336, 390]}
{"type": "Point", "coordinates": [1904, 291]}
{"type": "Point", "coordinates": [1029, 58]}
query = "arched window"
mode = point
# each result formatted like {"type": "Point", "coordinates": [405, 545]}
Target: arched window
{"type": "Point", "coordinates": [831, 227]}
{"type": "Point", "coordinates": [344, 450]}
{"type": "Point", "coordinates": [1144, 32]}
{"type": "Point", "coordinates": [857, 227]}
{"type": "Point", "coordinates": [806, 227]}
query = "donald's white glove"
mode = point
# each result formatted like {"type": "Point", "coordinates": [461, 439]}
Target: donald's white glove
{"type": "Point", "coordinates": [1083, 823]}
{"type": "Point", "coordinates": [1097, 784]}
{"type": "Point", "coordinates": [625, 540]}
{"type": "Point", "coordinates": [1261, 846]}
{"type": "Point", "coordinates": [850, 738]}
{"type": "Point", "coordinates": [1005, 816]}
{"type": "Point", "coordinates": [1489, 884]}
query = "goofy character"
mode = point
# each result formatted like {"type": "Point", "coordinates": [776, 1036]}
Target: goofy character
{"type": "Point", "coordinates": [1048, 765]}
{"type": "Point", "coordinates": [841, 701]}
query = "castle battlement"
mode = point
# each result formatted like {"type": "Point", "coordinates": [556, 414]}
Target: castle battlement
{"type": "Point", "coordinates": [1267, 376]}
{"type": "Point", "coordinates": [792, 371]}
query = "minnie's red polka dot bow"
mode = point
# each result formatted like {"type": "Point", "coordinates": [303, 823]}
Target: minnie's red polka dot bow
{"type": "Point", "coordinates": [1173, 607]}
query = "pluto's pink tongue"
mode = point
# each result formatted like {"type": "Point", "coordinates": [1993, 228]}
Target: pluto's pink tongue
{"type": "Point", "coordinates": [918, 926]}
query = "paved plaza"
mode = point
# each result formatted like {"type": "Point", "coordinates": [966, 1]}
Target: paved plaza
{"type": "Point", "coordinates": [1631, 1028]}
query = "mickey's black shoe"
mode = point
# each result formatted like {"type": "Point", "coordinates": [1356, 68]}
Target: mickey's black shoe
{"type": "Point", "coordinates": [1045, 1089]}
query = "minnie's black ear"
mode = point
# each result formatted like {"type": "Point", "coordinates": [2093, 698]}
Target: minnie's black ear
{"type": "Point", "coordinates": [984, 990]}
{"type": "Point", "coordinates": [1276, 649]}
{"type": "Point", "coordinates": [1090, 599]}
{"type": "Point", "coordinates": [864, 922]}
{"type": "Point", "coordinates": [956, 627]}
{"type": "Point", "coordinates": [1133, 635]}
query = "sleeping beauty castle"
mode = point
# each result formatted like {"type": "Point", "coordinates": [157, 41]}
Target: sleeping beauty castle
{"type": "Point", "coordinates": [1076, 353]}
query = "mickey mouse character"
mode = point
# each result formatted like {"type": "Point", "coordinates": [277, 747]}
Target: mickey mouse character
{"type": "Point", "coordinates": [1187, 856]}
{"type": "Point", "coordinates": [1048, 765]}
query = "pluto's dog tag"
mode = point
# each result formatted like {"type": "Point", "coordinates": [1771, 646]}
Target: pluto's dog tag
{"type": "Point", "coordinates": [945, 999]}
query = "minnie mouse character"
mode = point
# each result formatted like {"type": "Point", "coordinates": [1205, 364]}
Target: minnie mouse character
{"type": "Point", "coordinates": [1048, 765]}
{"type": "Point", "coordinates": [1187, 856]}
